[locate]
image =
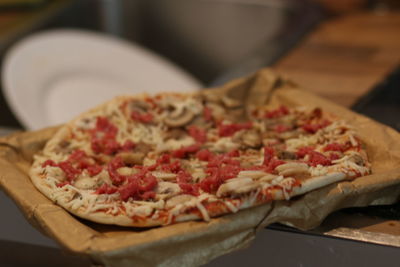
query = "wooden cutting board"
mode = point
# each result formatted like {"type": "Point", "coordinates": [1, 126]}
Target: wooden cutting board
{"type": "Point", "coordinates": [344, 57]}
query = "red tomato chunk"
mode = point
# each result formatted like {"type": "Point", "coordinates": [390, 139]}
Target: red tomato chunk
{"type": "Point", "coordinates": [277, 113]}
{"type": "Point", "coordinates": [141, 117]}
{"type": "Point", "coordinates": [230, 129]}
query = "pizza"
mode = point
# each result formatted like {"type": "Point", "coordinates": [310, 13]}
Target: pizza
{"type": "Point", "coordinates": [151, 160]}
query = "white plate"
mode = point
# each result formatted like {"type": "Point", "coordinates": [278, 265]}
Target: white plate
{"type": "Point", "coordinates": [50, 77]}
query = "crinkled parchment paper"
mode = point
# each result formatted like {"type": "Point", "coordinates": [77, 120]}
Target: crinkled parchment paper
{"type": "Point", "coordinates": [195, 243]}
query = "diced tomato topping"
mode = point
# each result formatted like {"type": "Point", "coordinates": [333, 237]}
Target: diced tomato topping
{"type": "Point", "coordinates": [230, 129]}
{"type": "Point", "coordinates": [218, 160]}
{"type": "Point", "coordinates": [281, 128]}
{"type": "Point", "coordinates": [69, 170]}
{"type": "Point", "coordinates": [270, 162]}
{"type": "Point", "coordinates": [217, 176]}
{"type": "Point", "coordinates": [184, 181]}
{"type": "Point", "coordinates": [103, 137]}
{"type": "Point", "coordinates": [269, 153]}
{"type": "Point", "coordinates": [314, 127]}
{"type": "Point", "coordinates": [211, 182]}
{"type": "Point", "coordinates": [77, 155]}
{"type": "Point", "coordinates": [128, 146]}
{"type": "Point", "coordinates": [277, 113]}
{"type": "Point", "coordinates": [233, 153]}
{"type": "Point", "coordinates": [219, 168]}
{"type": "Point", "coordinates": [141, 117]}
{"type": "Point", "coordinates": [148, 182]}
{"type": "Point", "coordinates": [197, 133]}
{"type": "Point", "coordinates": [128, 190]}
{"type": "Point", "coordinates": [105, 126]}
{"type": "Point", "coordinates": [204, 155]}
{"type": "Point", "coordinates": [207, 114]}
{"type": "Point", "coordinates": [273, 164]}
{"type": "Point", "coordinates": [333, 156]}
{"type": "Point", "coordinates": [335, 147]}
{"type": "Point", "coordinates": [183, 177]}
{"type": "Point", "coordinates": [173, 167]}
{"type": "Point", "coordinates": [139, 186]}
{"type": "Point", "coordinates": [152, 167]}
{"type": "Point", "coordinates": [106, 189]}
{"type": "Point", "coordinates": [191, 189]}
{"type": "Point", "coordinates": [317, 158]}
{"type": "Point", "coordinates": [164, 159]}
{"type": "Point", "coordinates": [112, 167]}
{"type": "Point", "coordinates": [49, 162]}
{"type": "Point", "coordinates": [83, 164]}
{"type": "Point", "coordinates": [303, 151]}
{"type": "Point", "coordinates": [183, 152]}
{"type": "Point", "coordinates": [94, 169]}
{"type": "Point", "coordinates": [96, 145]}
{"type": "Point", "coordinates": [229, 171]}
{"type": "Point", "coordinates": [110, 146]}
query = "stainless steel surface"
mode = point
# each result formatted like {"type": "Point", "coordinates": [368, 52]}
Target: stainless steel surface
{"type": "Point", "coordinates": [365, 236]}
{"type": "Point", "coordinates": [281, 248]}
{"type": "Point", "coordinates": [15, 227]}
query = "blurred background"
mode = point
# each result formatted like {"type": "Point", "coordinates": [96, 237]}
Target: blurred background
{"type": "Point", "coordinates": [213, 40]}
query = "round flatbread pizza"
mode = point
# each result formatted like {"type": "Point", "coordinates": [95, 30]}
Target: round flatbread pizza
{"type": "Point", "coordinates": [156, 160]}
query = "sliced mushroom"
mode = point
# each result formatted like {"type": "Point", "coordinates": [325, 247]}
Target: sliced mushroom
{"type": "Point", "coordinates": [179, 199]}
{"type": "Point", "coordinates": [268, 177]}
{"type": "Point", "coordinates": [164, 175]}
{"type": "Point", "coordinates": [103, 177]}
{"type": "Point", "coordinates": [175, 133]}
{"type": "Point", "coordinates": [168, 188]}
{"type": "Point", "coordinates": [132, 158]}
{"type": "Point", "coordinates": [251, 138]}
{"type": "Point", "coordinates": [85, 183]}
{"type": "Point", "coordinates": [144, 210]}
{"type": "Point", "coordinates": [179, 117]}
{"type": "Point", "coordinates": [198, 175]}
{"type": "Point", "coordinates": [64, 143]}
{"type": "Point", "coordinates": [287, 155]}
{"type": "Point", "coordinates": [237, 186]}
{"type": "Point", "coordinates": [55, 173]}
{"type": "Point", "coordinates": [357, 159]}
{"type": "Point", "coordinates": [139, 106]}
{"type": "Point", "coordinates": [292, 168]}
{"type": "Point", "coordinates": [103, 158]}
{"type": "Point", "coordinates": [289, 134]}
{"type": "Point", "coordinates": [126, 171]}
{"type": "Point", "coordinates": [63, 147]}
{"type": "Point", "coordinates": [142, 148]}
{"type": "Point", "coordinates": [252, 174]}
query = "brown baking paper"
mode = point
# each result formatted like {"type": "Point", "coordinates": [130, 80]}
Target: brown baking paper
{"type": "Point", "coordinates": [195, 243]}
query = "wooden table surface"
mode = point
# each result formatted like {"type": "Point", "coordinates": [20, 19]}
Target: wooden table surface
{"type": "Point", "coordinates": [344, 57]}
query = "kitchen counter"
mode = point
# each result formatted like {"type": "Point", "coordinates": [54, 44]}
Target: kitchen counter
{"type": "Point", "coordinates": [344, 57]}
